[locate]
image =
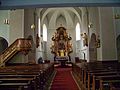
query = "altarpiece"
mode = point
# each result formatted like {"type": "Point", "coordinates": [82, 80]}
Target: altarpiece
{"type": "Point", "coordinates": [61, 46]}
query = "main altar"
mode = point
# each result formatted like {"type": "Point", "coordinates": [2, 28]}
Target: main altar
{"type": "Point", "coordinates": [61, 46]}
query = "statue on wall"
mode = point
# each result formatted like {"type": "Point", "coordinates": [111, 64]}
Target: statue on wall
{"type": "Point", "coordinates": [98, 42]}
{"type": "Point", "coordinates": [61, 45]}
{"type": "Point", "coordinates": [85, 39]}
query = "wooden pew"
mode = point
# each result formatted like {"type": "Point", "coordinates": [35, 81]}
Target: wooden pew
{"type": "Point", "coordinates": [110, 81]}
{"type": "Point", "coordinates": [100, 74]}
{"type": "Point", "coordinates": [40, 72]}
{"type": "Point", "coordinates": [15, 86]}
{"type": "Point", "coordinates": [89, 70]}
{"type": "Point", "coordinates": [101, 69]}
{"type": "Point", "coordinates": [78, 73]}
{"type": "Point", "coordinates": [9, 80]}
{"type": "Point", "coordinates": [91, 75]}
{"type": "Point", "coordinates": [21, 76]}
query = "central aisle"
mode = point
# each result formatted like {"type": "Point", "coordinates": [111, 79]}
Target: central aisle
{"type": "Point", "coordinates": [63, 80]}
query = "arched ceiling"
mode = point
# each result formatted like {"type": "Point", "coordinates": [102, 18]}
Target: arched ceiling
{"type": "Point", "coordinates": [49, 12]}
{"type": "Point", "coordinates": [56, 15]}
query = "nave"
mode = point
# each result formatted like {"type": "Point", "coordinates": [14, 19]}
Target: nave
{"type": "Point", "coordinates": [90, 34]}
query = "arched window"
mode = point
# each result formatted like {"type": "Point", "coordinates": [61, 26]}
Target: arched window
{"type": "Point", "coordinates": [44, 32]}
{"type": "Point", "coordinates": [78, 33]}
{"type": "Point", "coordinates": [39, 29]}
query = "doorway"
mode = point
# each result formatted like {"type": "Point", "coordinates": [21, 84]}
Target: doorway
{"type": "Point", "coordinates": [3, 44]}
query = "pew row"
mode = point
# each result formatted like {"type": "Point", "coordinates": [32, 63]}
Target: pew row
{"type": "Point", "coordinates": [97, 76]}
{"type": "Point", "coordinates": [26, 77]}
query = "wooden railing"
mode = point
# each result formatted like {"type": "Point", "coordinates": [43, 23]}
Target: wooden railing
{"type": "Point", "coordinates": [19, 45]}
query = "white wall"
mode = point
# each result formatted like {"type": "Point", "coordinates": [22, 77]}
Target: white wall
{"type": "Point", "coordinates": [16, 31]}
{"type": "Point", "coordinates": [4, 28]}
{"type": "Point", "coordinates": [103, 25]}
{"type": "Point", "coordinates": [16, 25]}
{"type": "Point", "coordinates": [108, 41]}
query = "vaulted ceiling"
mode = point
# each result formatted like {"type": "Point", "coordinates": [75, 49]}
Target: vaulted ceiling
{"type": "Point", "coordinates": [65, 15]}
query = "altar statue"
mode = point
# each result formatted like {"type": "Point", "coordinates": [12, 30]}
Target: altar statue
{"type": "Point", "coordinates": [61, 43]}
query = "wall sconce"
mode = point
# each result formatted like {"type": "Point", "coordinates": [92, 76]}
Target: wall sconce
{"type": "Point", "coordinates": [90, 25]}
{"type": "Point", "coordinates": [33, 26]}
{"type": "Point", "coordinates": [6, 21]}
{"type": "Point", "coordinates": [117, 16]}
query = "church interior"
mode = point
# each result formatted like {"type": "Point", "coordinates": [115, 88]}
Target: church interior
{"type": "Point", "coordinates": [60, 48]}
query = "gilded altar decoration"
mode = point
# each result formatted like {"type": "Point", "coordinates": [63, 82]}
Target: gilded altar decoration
{"type": "Point", "coordinates": [61, 45]}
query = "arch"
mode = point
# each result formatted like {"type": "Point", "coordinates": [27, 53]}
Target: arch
{"type": "Point", "coordinates": [92, 48]}
{"type": "Point", "coordinates": [60, 20]}
{"type": "Point", "coordinates": [55, 17]}
{"type": "Point", "coordinates": [118, 47]}
{"type": "Point", "coordinates": [3, 44]}
{"type": "Point", "coordinates": [44, 32]}
{"type": "Point", "coordinates": [78, 32]}
{"type": "Point", "coordinates": [70, 9]}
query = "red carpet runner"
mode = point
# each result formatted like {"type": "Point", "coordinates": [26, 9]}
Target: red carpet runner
{"type": "Point", "coordinates": [63, 80]}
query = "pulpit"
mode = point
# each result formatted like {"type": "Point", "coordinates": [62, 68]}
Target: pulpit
{"type": "Point", "coordinates": [61, 46]}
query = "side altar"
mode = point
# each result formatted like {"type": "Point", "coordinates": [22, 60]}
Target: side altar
{"type": "Point", "coordinates": [61, 46]}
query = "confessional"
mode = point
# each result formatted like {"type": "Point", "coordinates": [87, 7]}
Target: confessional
{"type": "Point", "coordinates": [61, 46]}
